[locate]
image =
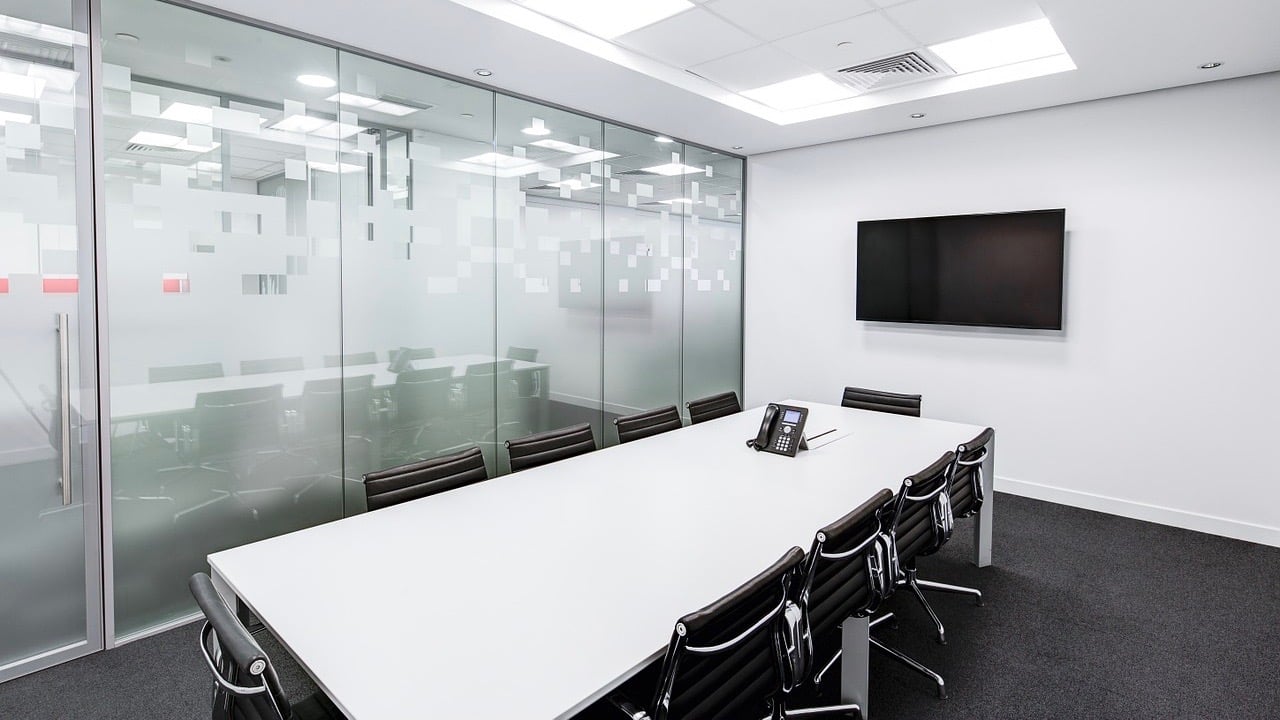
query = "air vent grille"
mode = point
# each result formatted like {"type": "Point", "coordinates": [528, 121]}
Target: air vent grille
{"type": "Point", "coordinates": [645, 173]}
{"type": "Point", "coordinates": [891, 71]}
{"type": "Point", "coordinates": [140, 148]}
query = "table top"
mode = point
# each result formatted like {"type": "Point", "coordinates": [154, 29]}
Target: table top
{"type": "Point", "coordinates": [557, 583]}
{"type": "Point", "coordinates": [130, 402]}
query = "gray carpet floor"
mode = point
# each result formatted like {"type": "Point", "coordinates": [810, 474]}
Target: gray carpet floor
{"type": "Point", "coordinates": [1086, 615]}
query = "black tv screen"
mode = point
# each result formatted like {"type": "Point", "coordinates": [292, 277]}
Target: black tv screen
{"type": "Point", "coordinates": [1000, 270]}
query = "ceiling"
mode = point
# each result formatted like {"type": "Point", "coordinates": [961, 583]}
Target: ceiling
{"type": "Point", "coordinates": [645, 77]}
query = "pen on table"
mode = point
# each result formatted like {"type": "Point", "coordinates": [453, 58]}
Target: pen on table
{"type": "Point", "coordinates": [811, 438]}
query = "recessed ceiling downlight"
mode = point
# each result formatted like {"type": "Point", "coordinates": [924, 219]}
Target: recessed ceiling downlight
{"type": "Point", "coordinates": [127, 37]}
{"type": "Point", "coordinates": [916, 116]}
{"type": "Point", "coordinates": [483, 72]}
{"type": "Point", "coordinates": [1210, 65]}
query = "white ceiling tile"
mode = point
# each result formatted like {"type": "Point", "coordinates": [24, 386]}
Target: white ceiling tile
{"type": "Point", "coordinates": [688, 39]}
{"type": "Point", "coordinates": [935, 21]}
{"type": "Point", "coordinates": [869, 36]}
{"type": "Point", "coordinates": [885, 3]}
{"type": "Point", "coordinates": [772, 19]}
{"type": "Point", "coordinates": [753, 68]}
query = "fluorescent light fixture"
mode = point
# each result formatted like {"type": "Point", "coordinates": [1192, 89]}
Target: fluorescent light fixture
{"type": "Point", "coordinates": [609, 19]}
{"type": "Point", "coordinates": [804, 91]}
{"type": "Point", "coordinates": [187, 113]}
{"type": "Point", "coordinates": [561, 146]}
{"type": "Point", "coordinates": [301, 124]}
{"type": "Point", "coordinates": [678, 201]}
{"type": "Point", "coordinates": [22, 86]}
{"type": "Point", "coordinates": [370, 103]}
{"type": "Point", "coordinates": [663, 139]}
{"type": "Point", "coordinates": [337, 130]}
{"type": "Point", "coordinates": [316, 81]}
{"type": "Point", "coordinates": [536, 127]}
{"type": "Point", "coordinates": [575, 184]}
{"type": "Point", "coordinates": [498, 161]}
{"type": "Point", "coordinates": [673, 169]}
{"type": "Point", "coordinates": [40, 31]}
{"type": "Point", "coordinates": [165, 140]}
{"type": "Point", "coordinates": [1005, 46]}
{"type": "Point", "coordinates": [335, 167]}
{"type": "Point", "coordinates": [8, 117]}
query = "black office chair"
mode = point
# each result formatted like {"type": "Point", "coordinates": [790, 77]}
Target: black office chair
{"type": "Point", "coordinates": [881, 401]}
{"type": "Point", "coordinates": [966, 496]}
{"type": "Point", "coordinates": [715, 406]}
{"type": "Point", "coordinates": [921, 523]}
{"type": "Point", "coordinates": [176, 373]}
{"type": "Point", "coordinates": [727, 660]}
{"type": "Point", "coordinates": [429, 477]}
{"type": "Point", "coordinates": [234, 424]}
{"type": "Point", "coordinates": [648, 423]}
{"type": "Point", "coordinates": [423, 353]}
{"type": "Point", "coordinates": [349, 359]}
{"type": "Point", "coordinates": [421, 400]}
{"type": "Point", "coordinates": [245, 684]}
{"type": "Point", "coordinates": [847, 574]}
{"type": "Point", "coordinates": [522, 353]}
{"type": "Point", "coordinates": [270, 365]}
{"type": "Point", "coordinates": [545, 447]}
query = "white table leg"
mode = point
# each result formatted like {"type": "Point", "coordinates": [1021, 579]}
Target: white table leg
{"type": "Point", "coordinates": [982, 528]}
{"type": "Point", "coordinates": [855, 662]}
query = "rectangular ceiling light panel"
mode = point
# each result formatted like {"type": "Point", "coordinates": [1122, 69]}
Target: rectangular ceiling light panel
{"type": "Point", "coordinates": [609, 18]}
{"type": "Point", "coordinates": [801, 92]}
{"type": "Point", "coordinates": [1004, 46]}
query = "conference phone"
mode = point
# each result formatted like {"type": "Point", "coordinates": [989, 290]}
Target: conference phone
{"type": "Point", "coordinates": [781, 430]}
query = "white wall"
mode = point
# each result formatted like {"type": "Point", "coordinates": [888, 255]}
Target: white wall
{"type": "Point", "coordinates": [1161, 400]}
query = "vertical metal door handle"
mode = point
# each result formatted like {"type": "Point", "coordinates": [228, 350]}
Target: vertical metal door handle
{"type": "Point", "coordinates": [64, 399]}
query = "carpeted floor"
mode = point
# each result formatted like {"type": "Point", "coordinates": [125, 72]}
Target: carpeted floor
{"type": "Point", "coordinates": [1087, 615]}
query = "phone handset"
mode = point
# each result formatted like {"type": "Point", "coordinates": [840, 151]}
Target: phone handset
{"type": "Point", "coordinates": [766, 428]}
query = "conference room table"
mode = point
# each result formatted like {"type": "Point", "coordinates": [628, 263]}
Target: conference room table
{"type": "Point", "coordinates": [150, 400]}
{"type": "Point", "coordinates": [534, 594]}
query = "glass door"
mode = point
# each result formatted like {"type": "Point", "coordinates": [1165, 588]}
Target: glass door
{"type": "Point", "coordinates": [50, 561]}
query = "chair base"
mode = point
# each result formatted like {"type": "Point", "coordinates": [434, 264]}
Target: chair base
{"type": "Point", "coordinates": [953, 589]}
{"type": "Point", "coordinates": [895, 654]}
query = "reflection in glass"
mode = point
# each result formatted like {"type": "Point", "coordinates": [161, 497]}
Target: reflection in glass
{"type": "Point", "coordinates": [418, 265]}
{"type": "Point", "coordinates": [221, 235]}
{"type": "Point", "coordinates": [549, 276]}
{"type": "Point", "coordinates": [42, 540]}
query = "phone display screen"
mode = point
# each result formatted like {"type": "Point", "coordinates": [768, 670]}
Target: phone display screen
{"type": "Point", "coordinates": [791, 417]}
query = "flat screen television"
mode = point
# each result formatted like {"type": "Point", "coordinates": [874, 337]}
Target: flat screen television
{"type": "Point", "coordinates": [996, 270]}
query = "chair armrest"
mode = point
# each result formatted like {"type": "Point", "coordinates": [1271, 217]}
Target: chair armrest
{"type": "Point", "coordinates": [630, 709]}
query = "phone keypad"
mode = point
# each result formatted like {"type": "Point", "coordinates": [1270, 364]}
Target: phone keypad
{"type": "Point", "coordinates": [783, 443]}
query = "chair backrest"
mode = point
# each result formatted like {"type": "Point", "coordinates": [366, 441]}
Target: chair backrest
{"type": "Point", "coordinates": [715, 406]}
{"type": "Point", "coordinates": [522, 353]}
{"type": "Point", "coordinates": [542, 448]}
{"type": "Point", "coordinates": [245, 685]}
{"type": "Point", "coordinates": [270, 365]}
{"type": "Point", "coordinates": [429, 477]}
{"type": "Point", "coordinates": [175, 373]}
{"type": "Point", "coordinates": [349, 359]}
{"type": "Point", "coordinates": [846, 571]}
{"type": "Point", "coordinates": [239, 421]}
{"type": "Point", "coordinates": [422, 394]}
{"type": "Point", "coordinates": [726, 660]}
{"type": "Point", "coordinates": [647, 423]}
{"type": "Point", "coordinates": [966, 476]}
{"type": "Point", "coordinates": [480, 383]}
{"type": "Point", "coordinates": [921, 516]}
{"type": "Point", "coordinates": [322, 398]}
{"type": "Point", "coordinates": [424, 353]}
{"type": "Point", "coordinates": [881, 401]}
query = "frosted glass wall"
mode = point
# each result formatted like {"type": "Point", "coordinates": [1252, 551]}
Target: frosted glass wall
{"type": "Point", "coordinates": [320, 264]}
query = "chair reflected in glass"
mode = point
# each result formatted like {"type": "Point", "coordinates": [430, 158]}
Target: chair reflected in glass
{"type": "Point", "coordinates": [418, 426]}
{"type": "Point", "coordinates": [270, 365]}
{"type": "Point", "coordinates": [351, 359]}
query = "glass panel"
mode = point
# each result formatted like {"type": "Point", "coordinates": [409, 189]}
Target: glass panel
{"type": "Point", "coordinates": [42, 534]}
{"type": "Point", "coordinates": [417, 236]}
{"type": "Point", "coordinates": [713, 275]}
{"type": "Point", "coordinates": [549, 171]}
{"type": "Point", "coordinates": [222, 242]}
{"type": "Point", "coordinates": [643, 265]}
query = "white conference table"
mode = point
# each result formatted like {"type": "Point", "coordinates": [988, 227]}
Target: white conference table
{"type": "Point", "coordinates": [534, 594]}
{"type": "Point", "coordinates": [134, 402]}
